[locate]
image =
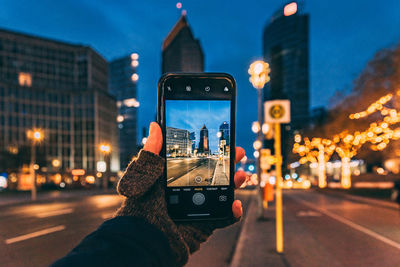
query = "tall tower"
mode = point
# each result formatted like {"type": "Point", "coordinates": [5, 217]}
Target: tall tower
{"type": "Point", "coordinates": [123, 86]}
{"type": "Point", "coordinates": [204, 142]}
{"type": "Point", "coordinates": [285, 45]}
{"type": "Point", "coordinates": [181, 52]}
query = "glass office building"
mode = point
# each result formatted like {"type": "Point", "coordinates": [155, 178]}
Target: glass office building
{"type": "Point", "coordinates": [61, 89]}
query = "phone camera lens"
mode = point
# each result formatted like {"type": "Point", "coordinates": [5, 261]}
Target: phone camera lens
{"type": "Point", "coordinates": [207, 89]}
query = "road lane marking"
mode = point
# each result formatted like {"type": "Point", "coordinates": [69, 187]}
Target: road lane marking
{"type": "Point", "coordinates": [35, 234]}
{"type": "Point", "coordinates": [54, 213]}
{"type": "Point", "coordinates": [353, 225]}
{"type": "Point", "coordinates": [308, 213]}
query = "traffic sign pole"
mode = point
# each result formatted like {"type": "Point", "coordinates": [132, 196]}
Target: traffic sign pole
{"type": "Point", "coordinates": [278, 191]}
{"type": "Point", "coordinates": [277, 112]}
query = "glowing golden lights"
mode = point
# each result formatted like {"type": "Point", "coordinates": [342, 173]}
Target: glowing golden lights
{"type": "Point", "coordinates": [259, 74]}
{"type": "Point", "coordinates": [255, 127]}
{"type": "Point", "coordinates": [134, 56]}
{"type": "Point", "coordinates": [36, 135]}
{"type": "Point", "coordinates": [25, 79]}
{"type": "Point", "coordinates": [105, 148]}
{"type": "Point", "coordinates": [134, 77]}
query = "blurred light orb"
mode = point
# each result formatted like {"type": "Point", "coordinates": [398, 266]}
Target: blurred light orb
{"type": "Point", "coordinates": [135, 77]}
{"type": "Point", "coordinates": [255, 127]}
{"type": "Point", "coordinates": [134, 63]}
{"type": "Point", "coordinates": [179, 5]}
{"type": "Point", "coordinates": [256, 154]}
{"type": "Point", "coordinates": [134, 56]}
{"type": "Point", "coordinates": [265, 128]}
{"type": "Point", "coordinates": [3, 182]}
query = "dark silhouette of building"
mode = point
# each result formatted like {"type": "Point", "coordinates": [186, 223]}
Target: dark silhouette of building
{"type": "Point", "coordinates": [181, 52]}
{"type": "Point", "coordinates": [123, 86]}
{"type": "Point", "coordinates": [224, 135]}
{"type": "Point", "coordinates": [204, 142]}
{"type": "Point", "coordinates": [193, 139]}
{"type": "Point", "coordinates": [285, 45]}
{"type": "Point", "coordinates": [224, 130]}
{"type": "Point", "coordinates": [60, 88]}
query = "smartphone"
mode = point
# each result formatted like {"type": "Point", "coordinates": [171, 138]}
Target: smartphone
{"type": "Point", "coordinates": [197, 115]}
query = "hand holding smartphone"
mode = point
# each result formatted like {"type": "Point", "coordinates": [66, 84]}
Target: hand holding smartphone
{"type": "Point", "coordinates": [197, 115]}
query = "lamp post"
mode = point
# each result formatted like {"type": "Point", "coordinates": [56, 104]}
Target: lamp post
{"type": "Point", "coordinates": [105, 149]}
{"type": "Point", "coordinates": [259, 76]}
{"type": "Point", "coordinates": [36, 136]}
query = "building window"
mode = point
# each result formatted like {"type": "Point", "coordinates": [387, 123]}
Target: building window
{"type": "Point", "coordinates": [25, 79]}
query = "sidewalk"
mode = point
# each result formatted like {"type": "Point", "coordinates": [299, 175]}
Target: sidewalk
{"type": "Point", "coordinates": [14, 198]}
{"type": "Point", "coordinates": [256, 243]}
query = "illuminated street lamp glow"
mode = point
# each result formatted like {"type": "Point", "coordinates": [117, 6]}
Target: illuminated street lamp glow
{"type": "Point", "coordinates": [134, 63]}
{"type": "Point", "coordinates": [56, 163]}
{"type": "Point", "coordinates": [120, 118]}
{"type": "Point", "coordinates": [255, 127]}
{"type": "Point", "coordinates": [35, 135]}
{"type": "Point", "coordinates": [134, 56]}
{"type": "Point", "coordinates": [135, 77]}
{"type": "Point", "coordinates": [259, 74]}
{"type": "Point", "coordinates": [265, 128]}
{"type": "Point", "coordinates": [256, 154]}
{"type": "Point", "coordinates": [105, 148]}
{"type": "Point", "coordinates": [257, 144]}
{"type": "Point", "coordinates": [144, 140]}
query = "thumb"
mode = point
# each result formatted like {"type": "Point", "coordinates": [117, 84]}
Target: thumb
{"type": "Point", "coordinates": [155, 139]}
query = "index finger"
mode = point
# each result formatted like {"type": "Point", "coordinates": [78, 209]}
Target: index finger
{"type": "Point", "coordinates": [239, 154]}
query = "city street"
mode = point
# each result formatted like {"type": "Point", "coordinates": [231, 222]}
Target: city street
{"type": "Point", "coordinates": [197, 172]}
{"type": "Point", "coordinates": [319, 230]}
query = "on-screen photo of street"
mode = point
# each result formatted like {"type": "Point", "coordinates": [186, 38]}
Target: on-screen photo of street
{"type": "Point", "coordinates": [198, 142]}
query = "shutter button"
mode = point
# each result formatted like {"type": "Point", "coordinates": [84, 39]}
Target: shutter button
{"type": "Point", "coordinates": [198, 199]}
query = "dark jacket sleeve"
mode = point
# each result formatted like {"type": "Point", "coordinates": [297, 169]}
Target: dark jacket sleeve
{"type": "Point", "coordinates": [121, 241]}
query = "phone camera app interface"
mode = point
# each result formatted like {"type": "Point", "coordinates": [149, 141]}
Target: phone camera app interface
{"type": "Point", "coordinates": [197, 142]}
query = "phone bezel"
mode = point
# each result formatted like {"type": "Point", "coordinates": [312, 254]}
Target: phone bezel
{"type": "Point", "coordinates": [199, 78]}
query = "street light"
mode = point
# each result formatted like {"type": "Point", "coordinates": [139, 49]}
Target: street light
{"type": "Point", "coordinates": [105, 149]}
{"type": "Point", "coordinates": [259, 76]}
{"type": "Point", "coordinates": [36, 136]}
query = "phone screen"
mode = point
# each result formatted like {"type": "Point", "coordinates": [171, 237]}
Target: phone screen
{"type": "Point", "coordinates": [197, 142]}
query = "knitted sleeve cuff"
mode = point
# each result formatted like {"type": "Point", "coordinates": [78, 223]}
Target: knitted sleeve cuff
{"type": "Point", "coordinates": [141, 174]}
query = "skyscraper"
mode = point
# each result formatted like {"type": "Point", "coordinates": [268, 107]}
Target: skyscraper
{"type": "Point", "coordinates": [285, 45]}
{"type": "Point", "coordinates": [123, 86]}
{"type": "Point", "coordinates": [204, 146]}
{"type": "Point", "coordinates": [224, 135]}
{"type": "Point", "coordinates": [60, 88]}
{"type": "Point", "coordinates": [181, 52]}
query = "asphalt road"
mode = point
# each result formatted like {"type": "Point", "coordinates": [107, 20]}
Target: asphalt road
{"type": "Point", "coordinates": [38, 234]}
{"type": "Point", "coordinates": [319, 230]}
{"type": "Point", "coordinates": [186, 171]}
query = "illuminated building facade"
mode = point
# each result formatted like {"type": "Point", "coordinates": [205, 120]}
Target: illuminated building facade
{"type": "Point", "coordinates": [123, 86]}
{"type": "Point", "coordinates": [179, 142]}
{"type": "Point", "coordinates": [286, 49]}
{"type": "Point", "coordinates": [181, 52]}
{"type": "Point", "coordinates": [61, 89]}
{"type": "Point", "coordinates": [204, 145]}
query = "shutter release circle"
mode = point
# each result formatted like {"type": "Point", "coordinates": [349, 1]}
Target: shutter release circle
{"type": "Point", "coordinates": [198, 199]}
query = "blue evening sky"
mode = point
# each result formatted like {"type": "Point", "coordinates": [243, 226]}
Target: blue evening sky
{"type": "Point", "coordinates": [193, 114]}
{"type": "Point", "coordinates": [344, 35]}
